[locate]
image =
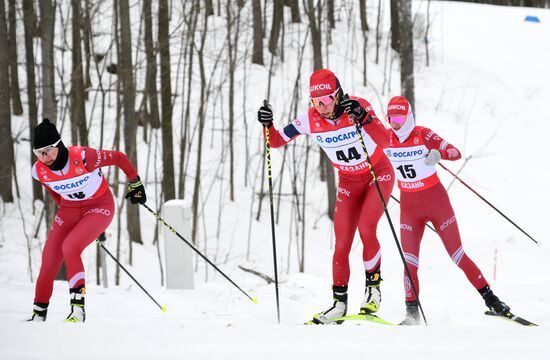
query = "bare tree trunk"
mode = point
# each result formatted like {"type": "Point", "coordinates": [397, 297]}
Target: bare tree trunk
{"type": "Point", "coordinates": [78, 113]}
{"type": "Point", "coordinates": [325, 164]}
{"type": "Point", "coordinates": [6, 140]}
{"type": "Point", "coordinates": [166, 103]}
{"type": "Point", "coordinates": [330, 14]}
{"type": "Point", "coordinates": [232, 52]}
{"type": "Point", "coordinates": [364, 30]}
{"type": "Point", "coordinates": [17, 108]}
{"type": "Point", "coordinates": [196, 189]}
{"type": "Point", "coordinates": [394, 8]}
{"type": "Point", "coordinates": [276, 26]}
{"type": "Point", "coordinates": [258, 52]}
{"type": "Point", "coordinates": [294, 11]}
{"type": "Point", "coordinates": [192, 25]}
{"type": "Point", "coordinates": [378, 29]}
{"type": "Point", "coordinates": [315, 37]}
{"type": "Point", "coordinates": [49, 104]}
{"type": "Point", "coordinates": [116, 140]}
{"type": "Point", "coordinates": [130, 124]}
{"type": "Point", "coordinates": [47, 24]}
{"type": "Point", "coordinates": [209, 8]}
{"type": "Point", "coordinates": [151, 93]}
{"type": "Point", "coordinates": [28, 18]}
{"type": "Point", "coordinates": [87, 27]}
{"type": "Point", "coordinates": [406, 51]}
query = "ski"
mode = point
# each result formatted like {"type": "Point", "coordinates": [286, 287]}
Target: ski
{"type": "Point", "coordinates": [511, 317]}
{"type": "Point", "coordinates": [354, 317]}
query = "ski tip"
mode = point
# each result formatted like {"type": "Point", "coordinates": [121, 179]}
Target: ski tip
{"type": "Point", "coordinates": [254, 300]}
{"type": "Point", "coordinates": [163, 309]}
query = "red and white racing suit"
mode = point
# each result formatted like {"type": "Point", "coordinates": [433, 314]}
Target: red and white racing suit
{"type": "Point", "coordinates": [423, 199]}
{"type": "Point", "coordinates": [86, 208]}
{"type": "Point", "coordinates": [358, 204]}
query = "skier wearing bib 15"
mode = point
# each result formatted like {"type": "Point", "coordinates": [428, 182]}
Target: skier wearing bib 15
{"type": "Point", "coordinates": [72, 176]}
{"type": "Point", "coordinates": [414, 152]}
{"type": "Point", "coordinates": [358, 204]}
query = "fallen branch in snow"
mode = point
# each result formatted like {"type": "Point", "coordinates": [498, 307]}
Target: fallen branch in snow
{"type": "Point", "coordinates": [257, 273]}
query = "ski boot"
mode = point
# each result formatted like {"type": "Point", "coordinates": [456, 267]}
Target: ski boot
{"type": "Point", "coordinates": [338, 309]}
{"type": "Point", "coordinates": [413, 315]}
{"type": "Point", "coordinates": [77, 305]}
{"type": "Point", "coordinates": [494, 304]}
{"type": "Point", "coordinates": [373, 296]}
{"type": "Point", "coordinates": [39, 312]}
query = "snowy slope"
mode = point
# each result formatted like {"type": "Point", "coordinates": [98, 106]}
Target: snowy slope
{"type": "Point", "coordinates": [486, 92]}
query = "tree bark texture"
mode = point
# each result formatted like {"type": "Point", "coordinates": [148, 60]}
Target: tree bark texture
{"type": "Point", "coordinates": [394, 8]}
{"type": "Point", "coordinates": [129, 93]}
{"type": "Point", "coordinates": [17, 108]}
{"type": "Point", "coordinates": [197, 187]}
{"type": "Point", "coordinates": [78, 110]}
{"type": "Point", "coordinates": [168, 183]}
{"type": "Point", "coordinates": [295, 16]}
{"type": "Point", "coordinates": [49, 103]}
{"type": "Point", "coordinates": [28, 19]}
{"type": "Point", "coordinates": [151, 92]}
{"type": "Point", "coordinates": [232, 53]}
{"type": "Point", "coordinates": [6, 140]}
{"type": "Point", "coordinates": [258, 50]}
{"type": "Point", "coordinates": [276, 26]}
{"type": "Point", "coordinates": [406, 51]}
{"type": "Point", "coordinates": [325, 164]}
{"type": "Point", "coordinates": [87, 29]}
{"type": "Point", "coordinates": [47, 24]}
{"type": "Point", "coordinates": [330, 14]}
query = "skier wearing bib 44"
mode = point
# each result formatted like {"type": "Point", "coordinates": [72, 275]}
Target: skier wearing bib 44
{"type": "Point", "coordinates": [414, 152]}
{"type": "Point", "coordinates": [330, 122]}
{"type": "Point", "coordinates": [72, 176]}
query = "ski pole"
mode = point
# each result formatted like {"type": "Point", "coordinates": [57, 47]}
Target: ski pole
{"type": "Point", "coordinates": [428, 225]}
{"type": "Point", "coordinates": [100, 243]}
{"type": "Point", "coordinates": [487, 202]}
{"type": "Point", "coordinates": [371, 169]}
{"type": "Point", "coordinates": [270, 181]}
{"type": "Point", "coordinates": [156, 215]}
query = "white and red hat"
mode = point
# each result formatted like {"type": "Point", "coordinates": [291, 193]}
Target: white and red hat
{"type": "Point", "coordinates": [322, 82]}
{"type": "Point", "coordinates": [398, 106]}
{"type": "Point", "coordinates": [400, 110]}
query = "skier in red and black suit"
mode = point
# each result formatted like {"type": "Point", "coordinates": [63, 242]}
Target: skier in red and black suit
{"type": "Point", "coordinates": [73, 178]}
{"type": "Point", "coordinates": [414, 152]}
{"type": "Point", "coordinates": [358, 205]}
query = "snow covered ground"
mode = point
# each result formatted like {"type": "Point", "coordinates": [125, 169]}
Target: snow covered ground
{"type": "Point", "coordinates": [487, 93]}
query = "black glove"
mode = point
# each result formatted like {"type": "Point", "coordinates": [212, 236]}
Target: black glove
{"type": "Point", "coordinates": [136, 192]}
{"type": "Point", "coordinates": [101, 238]}
{"type": "Point", "coordinates": [265, 115]}
{"type": "Point", "coordinates": [356, 111]}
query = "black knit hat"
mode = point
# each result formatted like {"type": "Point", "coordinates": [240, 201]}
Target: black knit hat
{"type": "Point", "coordinates": [45, 134]}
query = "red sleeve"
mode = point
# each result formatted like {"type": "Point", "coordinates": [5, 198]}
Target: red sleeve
{"type": "Point", "coordinates": [275, 138]}
{"type": "Point", "coordinates": [434, 141]}
{"type": "Point", "coordinates": [375, 129]}
{"type": "Point", "coordinates": [100, 158]}
{"type": "Point", "coordinates": [55, 196]}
